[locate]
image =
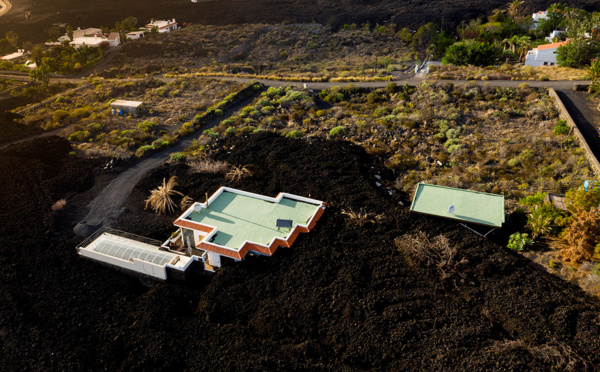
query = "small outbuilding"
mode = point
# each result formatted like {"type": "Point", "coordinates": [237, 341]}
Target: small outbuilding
{"type": "Point", "coordinates": [467, 206]}
{"type": "Point", "coordinates": [130, 107]}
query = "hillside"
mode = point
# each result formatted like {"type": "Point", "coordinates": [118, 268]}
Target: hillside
{"type": "Point", "coordinates": [411, 13]}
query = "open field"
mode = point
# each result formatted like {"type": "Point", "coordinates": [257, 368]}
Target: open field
{"type": "Point", "coordinates": [483, 138]}
{"type": "Point", "coordinates": [307, 51]}
{"type": "Point", "coordinates": [171, 110]}
{"type": "Point", "coordinates": [506, 72]}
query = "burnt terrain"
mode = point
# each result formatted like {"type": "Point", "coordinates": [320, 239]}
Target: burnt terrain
{"type": "Point", "coordinates": [342, 298]}
{"type": "Point", "coordinates": [409, 13]}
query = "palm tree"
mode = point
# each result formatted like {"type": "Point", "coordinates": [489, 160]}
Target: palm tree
{"type": "Point", "coordinates": [593, 72]}
{"type": "Point", "coordinates": [160, 198]}
{"type": "Point", "coordinates": [524, 44]}
{"type": "Point", "coordinates": [513, 8]}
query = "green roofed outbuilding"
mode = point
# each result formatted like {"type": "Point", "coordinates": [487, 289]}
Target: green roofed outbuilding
{"type": "Point", "coordinates": [457, 204]}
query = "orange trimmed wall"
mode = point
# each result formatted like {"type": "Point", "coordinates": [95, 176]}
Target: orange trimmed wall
{"type": "Point", "coordinates": [238, 255]}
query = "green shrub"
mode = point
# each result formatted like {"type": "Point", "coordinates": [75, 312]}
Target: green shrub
{"type": "Point", "coordinates": [218, 112]}
{"type": "Point", "coordinates": [178, 156]}
{"type": "Point", "coordinates": [60, 116]}
{"type": "Point", "coordinates": [147, 126]}
{"type": "Point", "coordinates": [532, 200]}
{"type": "Point", "coordinates": [143, 150]}
{"type": "Point", "coordinates": [545, 219]}
{"type": "Point", "coordinates": [518, 242]}
{"type": "Point", "coordinates": [80, 113]}
{"type": "Point", "coordinates": [338, 131]}
{"type": "Point", "coordinates": [294, 134]}
{"type": "Point", "coordinates": [210, 133]}
{"type": "Point", "coordinates": [79, 136]}
{"type": "Point", "coordinates": [561, 127]}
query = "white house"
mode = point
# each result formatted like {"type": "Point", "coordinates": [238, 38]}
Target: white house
{"type": "Point", "coordinates": [162, 26]}
{"type": "Point", "coordinates": [114, 39]}
{"type": "Point", "coordinates": [553, 34]}
{"type": "Point", "coordinates": [15, 57]}
{"type": "Point", "coordinates": [544, 55]}
{"type": "Point", "coordinates": [90, 41]}
{"type": "Point", "coordinates": [537, 17]}
{"type": "Point", "coordinates": [133, 35]}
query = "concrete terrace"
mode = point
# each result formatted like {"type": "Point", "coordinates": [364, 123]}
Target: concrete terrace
{"type": "Point", "coordinates": [239, 218]}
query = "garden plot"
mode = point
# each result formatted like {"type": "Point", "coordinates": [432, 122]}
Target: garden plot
{"type": "Point", "coordinates": [171, 109]}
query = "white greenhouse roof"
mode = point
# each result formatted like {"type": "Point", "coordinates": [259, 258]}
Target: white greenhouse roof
{"type": "Point", "coordinates": [127, 249]}
{"type": "Point", "coordinates": [126, 103]}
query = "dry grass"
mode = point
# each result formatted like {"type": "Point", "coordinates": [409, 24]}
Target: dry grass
{"type": "Point", "coordinates": [361, 217]}
{"type": "Point", "coordinates": [506, 72]}
{"type": "Point", "coordinates": [160, 199]}
{"type": "Point", "coordinates": [59, 204]}
{"type": "Point", "coordinates": [420, 251]}
{"type": "Point", "coordinates": [206, 165]}
{"type": "Point", "coordinates": [237, 173]}
{"type": "Point", "coordinates": [560, 356]}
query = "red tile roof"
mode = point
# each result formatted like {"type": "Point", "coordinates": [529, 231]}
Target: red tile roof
{"type": "Point", "coordinates": [553, 45]}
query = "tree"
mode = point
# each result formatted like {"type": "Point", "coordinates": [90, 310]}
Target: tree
{"type": "Point", "coordinates": [514, 8]}
{"type": "Point", "coordinates": [129, 23]}
{"type": "Point", "coordinates": [577, 53]}
{"type": "Point", "coordinates": [523, 45]}
{"type": "Point", "coordinates": [471, 53]}
{"type": "Point", "coordinates": [405, 35]}
{"type": "Point", "coordinates": [425, 35]}
{"type": "Point", "coordinates": [160, 198]}
{"type": "Point", "coordinates": [69, 30]}
{"type": "Point", "coordinates": [12, 38]}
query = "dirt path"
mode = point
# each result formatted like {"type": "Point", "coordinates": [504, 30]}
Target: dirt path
{"type": "Point", "coordinates": [106, 207]}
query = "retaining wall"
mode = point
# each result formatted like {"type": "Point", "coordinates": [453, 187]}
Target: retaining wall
{"type": "Point", "coordinates": [564, 114]}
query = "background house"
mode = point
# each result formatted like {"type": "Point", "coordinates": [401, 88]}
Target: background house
{"type": "Point", "coordinates": [162, 26]}
{"type": "Point", "coordinates": [544, 55]}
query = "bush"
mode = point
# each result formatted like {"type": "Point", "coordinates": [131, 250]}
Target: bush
{"type": "Point", "coordinates": [471, 53]}
{"type": "Point", "coordinates": [60, 116]}
{"type": "Point", "coordinates": [545, 220]}
{"type": "Point", "coordinates": [218, 112]}
{"type": "Point", "coordinates": [518, 242]}
{"type": "Point", "coordinates": [294, 134]}
{"type": "Point", "coordinates": [337, 131]}
{"type": "Point", "coordinates": [147, 126]}
{"type": "Point", "coordinates": [79, 136]}
{"type": "Point", "coordinates": [561, 127]}
{"type": "Point", "coordinates": [178, 156]}
{"type": "Point", "coordinates": [80, 113]}
{"type": "Point", "coordinates": [143, 150]}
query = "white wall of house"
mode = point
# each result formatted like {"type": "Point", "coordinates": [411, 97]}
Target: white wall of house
{"type": "Point", "coordinates": [545, 57]}
{"type": "Point", "coordinates": [214, 259]}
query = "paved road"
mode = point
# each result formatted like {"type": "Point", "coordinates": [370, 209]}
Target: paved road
{"type": "Point", "coordinates": [585, 115]}
{"type": "Point", "coordinates": [106, 208]}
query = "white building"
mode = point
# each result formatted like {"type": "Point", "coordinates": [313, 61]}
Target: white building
{"type": "Point", "coordinates": [134, 35]}
{"type": "Point", "coordinates": [14, 57]}
{"type": "Point", "coordinates": [544, 55]}
{"type": "Point", "coordinates": [538, 16]}
{"type": "Point", "coordinates": [90, 41]}
{"type": "Point", "coordinates": [553, 34]}
{"type": "Point", "coordinates": [114, 39]}
{"type": "Point", "coordinates": [162, 26]}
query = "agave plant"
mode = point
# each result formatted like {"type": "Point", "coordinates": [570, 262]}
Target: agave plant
{"type": "Point", "coordinates": [237, 173]}
{"type": "Point", "coordinates": [160, 198]}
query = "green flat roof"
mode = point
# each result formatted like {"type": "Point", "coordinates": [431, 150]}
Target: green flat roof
{"type": "Point", "coordinates": [469, 206]}
{"type": "Point", "coordinates": [239, 218]}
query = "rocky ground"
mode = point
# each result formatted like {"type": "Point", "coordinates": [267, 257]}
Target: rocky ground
{"type": "Point", "coordinates": [342, 298]}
